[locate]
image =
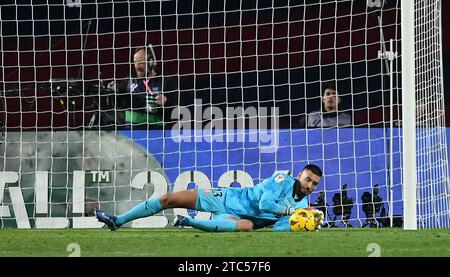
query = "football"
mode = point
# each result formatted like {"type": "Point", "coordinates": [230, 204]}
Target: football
{"type": "Point", "coordinates": [302, 220]}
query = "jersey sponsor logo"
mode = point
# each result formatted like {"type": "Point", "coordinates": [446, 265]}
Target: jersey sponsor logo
{"type": "Point", "coordinates": [279, 178]}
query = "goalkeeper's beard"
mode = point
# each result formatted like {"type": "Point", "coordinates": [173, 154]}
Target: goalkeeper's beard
{"type": "Point", "coordinates": [305, 190]}
{"type": "Point", "coordinates": [302, 191]}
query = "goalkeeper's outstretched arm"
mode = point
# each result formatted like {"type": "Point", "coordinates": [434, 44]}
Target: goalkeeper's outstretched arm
{"type": "Point", "coordinates": [273, 187]}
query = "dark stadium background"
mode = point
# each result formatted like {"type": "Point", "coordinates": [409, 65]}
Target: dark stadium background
{"type": "Point", "coordinates": [220, 62]}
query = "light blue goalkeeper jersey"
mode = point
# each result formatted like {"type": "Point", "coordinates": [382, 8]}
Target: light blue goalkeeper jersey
{"type": "Point", "coordinates": [265, 203]}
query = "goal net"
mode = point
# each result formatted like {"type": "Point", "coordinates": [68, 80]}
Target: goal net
{"type": "Point", "coordinates": [432, 163]}
{"type": "Point", "coordinates": [107, 103]}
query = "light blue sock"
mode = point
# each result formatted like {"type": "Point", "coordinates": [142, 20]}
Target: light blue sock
{"type": "Point", "coordinates": [220, 225]}
{"type": "Point", "coordinates": [147, 208]}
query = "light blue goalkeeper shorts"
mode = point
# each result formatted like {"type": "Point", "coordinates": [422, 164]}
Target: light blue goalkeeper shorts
{"type": "Point", "coordinates": [213, 201]}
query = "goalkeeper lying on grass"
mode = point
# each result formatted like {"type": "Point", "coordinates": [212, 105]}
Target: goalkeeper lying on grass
{"type": "Point", "coordinates": [233, 209]}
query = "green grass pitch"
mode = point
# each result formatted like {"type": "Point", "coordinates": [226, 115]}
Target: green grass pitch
{"type": "Point", "coordinates": [172, 242]}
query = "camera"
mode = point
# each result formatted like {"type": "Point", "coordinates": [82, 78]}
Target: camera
{"type": "Point", "coordinates": [371, 205]}
{"type": "Point", "coordinates": [342, 206]}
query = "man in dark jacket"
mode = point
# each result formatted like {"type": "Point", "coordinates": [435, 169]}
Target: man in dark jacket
{"type": "Point", "coordinates": [147, 97]}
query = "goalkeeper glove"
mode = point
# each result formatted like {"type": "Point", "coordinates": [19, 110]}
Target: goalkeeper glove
{"type": "Point", "coordinates": [318, 217]}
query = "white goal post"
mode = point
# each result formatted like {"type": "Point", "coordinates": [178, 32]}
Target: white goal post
{"type": "Point", "coordinates": [425, 168]}
{"type": "Point", "coordinates": [409, 116]}
{"type": "Point", "coordinates": [106, 103]}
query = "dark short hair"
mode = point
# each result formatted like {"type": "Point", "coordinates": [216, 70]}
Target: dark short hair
{"type": "Point", "coordinates": [329, 85]}
{"type": "Point", "coordinates": [314, 169]}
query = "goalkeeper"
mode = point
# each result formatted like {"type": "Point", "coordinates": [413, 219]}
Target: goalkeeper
{"type": "Point", "coordinates": [233, 209]}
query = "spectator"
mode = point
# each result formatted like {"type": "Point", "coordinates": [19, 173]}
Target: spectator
{"type": "Point", "coordinates": [147, 97]}
{"type": "Point", "coordinates": [329, 115]}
